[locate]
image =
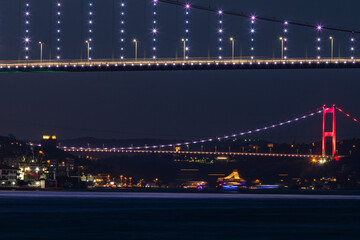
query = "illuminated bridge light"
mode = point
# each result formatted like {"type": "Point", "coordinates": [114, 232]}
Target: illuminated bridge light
{"type": "Point", "coordinates": [252, 36]}
{"type": "Point", "coordinates": [220, 33]}
{"type": "Point", "coordinates": [154, 29]}
{"type": "Point", "coordinates": [27, 30]}
{"type": "Point", "coordinates": [285, 39]}
{"type": "Point", "coordinates": [352, 47]}
{"type": "Point", "coordinates": [187, 32]}
{"type": "Point", "coordinates": [90, 28]}
{"type": "Point", "coordinates": [318, 42]}
{"type": "Point", "coordinates": [58, 29]}
{"type": "Point", "coordinates": [122, 29]}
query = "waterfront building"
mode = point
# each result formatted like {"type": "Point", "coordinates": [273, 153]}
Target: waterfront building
{"type": "Point", "coordinates": [8, 176]}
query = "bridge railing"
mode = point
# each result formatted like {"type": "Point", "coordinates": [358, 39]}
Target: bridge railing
{"type": "Point", "coordinates": [195, 60]}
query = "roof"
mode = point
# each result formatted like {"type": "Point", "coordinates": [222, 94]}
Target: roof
{"type": "Point", "coordinates": [234, 176]}
{"type": "Point", "coordinates": [4, 167]}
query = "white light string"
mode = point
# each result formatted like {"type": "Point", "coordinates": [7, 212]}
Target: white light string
{"type": "Point", "coordinates": [318, 42]}
{"type": "Point", "coordinates": [90, 26]}
{"type": "Point", "coordinates": [220, 33]}
{"type": "Point", "coordinates": [58, 29]}
{"type": "Point", "coordinates": [27, 30]}
{"type": "Point", "coordinates": [352, 47]}
{"type": "Point", "coordinates": [220, 138]}
{"type": "Point", "coordinates": [252, 36]}
{"type": "Point", "coordinates": [122, 29]}
{"type": "Point", "coordinates": [285, 39]}
{"type": "Point", "coordinates": [154, 30]}
{"type": "Point", "coordinates": [187, 31]}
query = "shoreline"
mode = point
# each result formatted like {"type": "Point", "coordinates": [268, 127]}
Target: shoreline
{"type": "Point", "coordinates": [214, 192]}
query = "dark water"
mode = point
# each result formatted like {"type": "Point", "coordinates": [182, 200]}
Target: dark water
{"type": "Point", "coordinates": [58, 215]}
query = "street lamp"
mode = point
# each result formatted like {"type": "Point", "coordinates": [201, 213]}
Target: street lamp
{"type": "Point", "coordinates": [332, 47]}
{"type": "Point", "coordinates": [233, 47]}
{"type": "Point", "coordinates": [41, 50]}
{"type": "Point", "coordinates": [282, 47]}
{"type": "Point", "coordinates": [88, 49]}
{"type": "Point", "coordinates": [121, 180]}
{"type": "Point", "coordinates": [136, 48]}
{"type": "Point", "coordinates": [183, 40]}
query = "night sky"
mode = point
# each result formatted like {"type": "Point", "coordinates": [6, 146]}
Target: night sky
{"type": "Point", "coordinates": [189, 104]}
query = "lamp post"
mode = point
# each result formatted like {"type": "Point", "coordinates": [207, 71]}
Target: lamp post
{"type": "Point", "coordinates": [136, 48]}
{"type": "Point", "coordinates": [332, 47]}
{"type": "Point", "coordinates": [88, 49]}
{"type": "Point", "coordinates": [41, 50]}
{"type": "Point", "coordinates": [282, 47]}
{"type": "Point", "coordinates": [233, 48]}
{"type": "Point", "coordinates": [183, 40]}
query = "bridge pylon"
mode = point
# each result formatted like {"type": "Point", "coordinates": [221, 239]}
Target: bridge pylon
{"type": "Point", "coordinates": [332, 133]}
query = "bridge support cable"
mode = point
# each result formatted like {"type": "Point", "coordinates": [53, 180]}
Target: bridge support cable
{"type": "Point", "coordinates": [186, 38]}
{"type": "Point", "coordinates": [352, 47]}
{"type": "Point", "coordinates": [268, 19]}
{"type": "Point", "coordinates": [58, 29]}
{"type": "Point", "coordinates": [27, 39]}
{"type": "Point", "coordinates": [220, 33]}
{"type": "Point", "coordinates": [90, 29]}
{"type": "Point", "coordinates": [348, 115]}
{"type": "Point", "coordinates": [318, 42]}
{"type": "Point", "coordinates": [284, 41]}
{"type": "Point", "coordinates": [252, 36]}
{"type": "Point", "coordinates": [154, 30]}
{"type": "Point", "coordinates": [122, 29]}
{"type": "Point", "coordinates": [226, 137]}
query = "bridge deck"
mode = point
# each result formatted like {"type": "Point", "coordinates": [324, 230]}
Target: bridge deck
{"type": "Point", "coordinates": [169, 64]}
{"type": "Point", "coordinates": [114, 150]}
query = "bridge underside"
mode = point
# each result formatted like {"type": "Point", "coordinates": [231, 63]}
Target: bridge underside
{"type": "Point", "coordinates": [168, 65]}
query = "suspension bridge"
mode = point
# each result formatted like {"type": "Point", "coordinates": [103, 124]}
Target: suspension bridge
{"type": "Point", "coordinates": [175, 148]}
{"type": "Point", "coordinates": [322, 57]}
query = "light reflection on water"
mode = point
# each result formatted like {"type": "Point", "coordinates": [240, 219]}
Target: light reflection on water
{"type": "Point", "coordinates": [87, 215]}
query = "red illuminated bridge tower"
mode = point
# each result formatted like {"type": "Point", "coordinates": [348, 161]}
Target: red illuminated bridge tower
{"type": "Point", "coordinates": [332, 134]}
